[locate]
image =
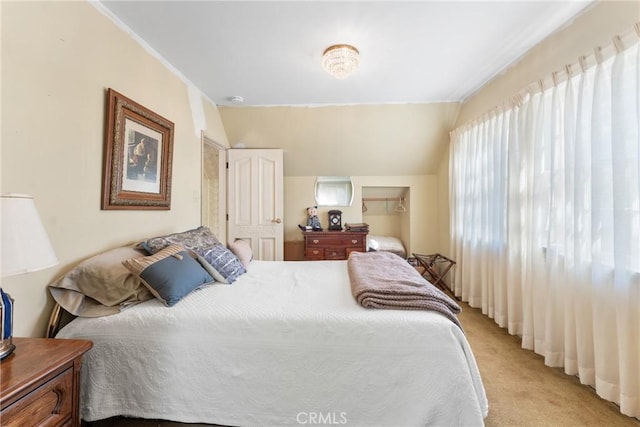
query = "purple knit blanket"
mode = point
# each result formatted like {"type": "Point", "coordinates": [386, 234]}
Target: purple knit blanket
{"type": "Point", "coordinates": [384, 280]}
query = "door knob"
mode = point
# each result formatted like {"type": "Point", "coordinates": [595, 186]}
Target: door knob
{"type": "Point", "coordinates": [277, 220]}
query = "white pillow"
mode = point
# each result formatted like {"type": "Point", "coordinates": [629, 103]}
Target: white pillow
{"type": "Point", "coordinates": [242, 250]}
{"type": "Point", "coordinates": [372, 243]}
{"type": "Point", "coordinates": [387, 244]}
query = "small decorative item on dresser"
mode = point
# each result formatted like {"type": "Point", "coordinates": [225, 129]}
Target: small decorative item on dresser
{"type": "Point", "coordinates": [335, 220]}
{"type": "Point", "coordinates": [6, 325]}
{"type": "Point", "coordinates": [313, 222]}
{"type": "Point", "coordinates": [359, 226]}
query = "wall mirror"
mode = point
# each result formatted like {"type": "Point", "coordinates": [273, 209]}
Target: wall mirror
{"type": "Point", "coordinates": [334, 191]}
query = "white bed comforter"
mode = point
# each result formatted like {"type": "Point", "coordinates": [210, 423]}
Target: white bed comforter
{"type": "Point", "coordinates": [286, 344]}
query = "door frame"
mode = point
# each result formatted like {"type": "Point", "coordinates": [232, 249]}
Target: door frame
{"type": "Point", "coordinates": [206, 141]}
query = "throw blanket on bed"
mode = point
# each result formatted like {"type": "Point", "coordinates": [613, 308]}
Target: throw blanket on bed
{"type": "Point", "coordinates": [384, 280]}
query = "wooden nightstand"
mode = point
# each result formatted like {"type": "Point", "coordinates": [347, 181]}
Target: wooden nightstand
{"type": "Point", "coordinates": [39, 382]}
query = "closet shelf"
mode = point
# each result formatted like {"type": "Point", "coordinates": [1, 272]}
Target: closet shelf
{"type": "Point", "coordinates": [381, 199]}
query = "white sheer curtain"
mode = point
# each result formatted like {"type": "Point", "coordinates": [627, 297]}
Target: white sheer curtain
{"type": "Point", "coordinates": [545, 205]}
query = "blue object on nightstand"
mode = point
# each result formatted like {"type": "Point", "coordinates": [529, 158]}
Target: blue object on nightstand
{"type": "Point", "coordinates": [6, 313]}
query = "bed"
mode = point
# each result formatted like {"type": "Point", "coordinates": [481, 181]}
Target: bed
{"type": "Point", "coordinates": [284, 344]}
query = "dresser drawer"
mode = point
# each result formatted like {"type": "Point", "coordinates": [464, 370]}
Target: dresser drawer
{"type": "Point", "coordinates": [331, 241]}
{"type": "Point", "coordinates": [333, 245]}
{"type": "Point", "coordinates": [335, 253]}
{"type": "Point", "coordinates": [355, 242]}
{"type": "Point", "coordinates": [314, 253]}
{"type": "Point", "coordinates": [49, 405]}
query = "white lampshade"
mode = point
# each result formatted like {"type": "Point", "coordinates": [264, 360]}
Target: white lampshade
{"type": "Point", "coordinates": [25, 245]}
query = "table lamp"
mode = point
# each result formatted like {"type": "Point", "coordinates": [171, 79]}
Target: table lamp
{"type": "Point", "coordinates": [25, 248]}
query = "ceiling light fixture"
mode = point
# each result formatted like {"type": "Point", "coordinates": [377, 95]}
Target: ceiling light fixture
{"type": "Point", "coordinates": [340, 60]}
{"type": "Point", "coordinates": [236, 99]}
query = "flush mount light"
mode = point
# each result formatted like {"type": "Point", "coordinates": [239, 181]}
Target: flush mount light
{"type": "Point", "coordinates": [236, 99]}
{"type": "Point", "coordinates": [340, 60]}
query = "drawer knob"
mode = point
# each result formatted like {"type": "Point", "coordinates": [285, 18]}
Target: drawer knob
{"type": "Point", "coordinates": [354, 241]}
{"type": "Point", "coordinates": [316, 252]}
{"type": "Point", "coordinates": [315, 241]}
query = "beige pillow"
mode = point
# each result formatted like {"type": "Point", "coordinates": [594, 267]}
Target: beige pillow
{"type": "Point", "coordinates": [100, 285]}
{"type": "Point", "coordinates": [242, 250]}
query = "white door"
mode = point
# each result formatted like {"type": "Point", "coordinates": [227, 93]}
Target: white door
{"type": "Point", "coordinates": [256, 201]}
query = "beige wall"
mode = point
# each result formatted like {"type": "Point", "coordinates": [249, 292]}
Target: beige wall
{"type": "Point", "coordinates": [58, 58]}
{"type": "Point", "coordinates": [418, 233]}
{"type": "Point", "coordinates": [363, 140]}
{"type": "Point", "coordinates": [379, 145]}
{"type": "Point", "coordinates": [386, 223]}
{"type": "Point", "coordinates": [594, 28]}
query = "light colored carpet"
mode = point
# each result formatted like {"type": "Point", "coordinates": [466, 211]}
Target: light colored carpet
{"type": "Point", "coordinates": [522, 391]}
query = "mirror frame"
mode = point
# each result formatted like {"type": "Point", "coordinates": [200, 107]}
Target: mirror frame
{"type": "Point", "coordinates": [327, 181]}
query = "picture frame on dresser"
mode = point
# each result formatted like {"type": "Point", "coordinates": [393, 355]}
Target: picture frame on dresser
{"type": "Point", "coordinates": [138, 150]}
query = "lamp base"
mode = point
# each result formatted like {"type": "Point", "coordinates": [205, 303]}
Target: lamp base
{"type": "Point", "coordinates": [6, 348]}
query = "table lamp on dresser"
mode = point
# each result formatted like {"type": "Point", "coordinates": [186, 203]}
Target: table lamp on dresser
{"type": "Point", "coordinates": [25, 249]}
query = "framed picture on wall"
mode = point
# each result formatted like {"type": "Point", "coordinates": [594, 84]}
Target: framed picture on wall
{"type": "Point", "coordinates": [138, 150]}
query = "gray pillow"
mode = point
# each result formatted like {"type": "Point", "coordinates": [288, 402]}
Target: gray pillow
{"type": "Point", "coordinates": [196, 239]}
{"type": "Point", "coordinates": [100, 285]}
{"type": "Point", "coordinates": [171, 274]}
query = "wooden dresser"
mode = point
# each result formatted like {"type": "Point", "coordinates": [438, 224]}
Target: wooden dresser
{"type": "Point", "coordinates": [39, 382]}
{"type": "Point", "coordinates": [333, 245]}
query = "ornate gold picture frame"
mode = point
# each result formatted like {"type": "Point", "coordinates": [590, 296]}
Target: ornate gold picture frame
{"type": "Point", "coordinates": [138, 150]}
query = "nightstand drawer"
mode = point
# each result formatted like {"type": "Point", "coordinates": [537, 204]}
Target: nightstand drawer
{"type": "Point", "coordinates": [51, 404]}
{"type": "Point", "coordinates": [40, 382]}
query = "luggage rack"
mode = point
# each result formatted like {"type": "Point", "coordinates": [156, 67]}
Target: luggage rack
{"type": "Point", "coordinates": [432, 273]}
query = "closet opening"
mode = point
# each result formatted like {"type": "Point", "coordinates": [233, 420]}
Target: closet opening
{"type": "Point", "coordinates": [386, 210]}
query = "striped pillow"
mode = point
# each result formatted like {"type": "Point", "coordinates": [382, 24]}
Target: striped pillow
{"type": "Point", "coordinates": [170, 274]}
